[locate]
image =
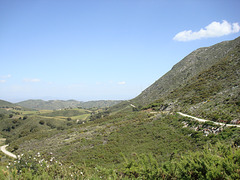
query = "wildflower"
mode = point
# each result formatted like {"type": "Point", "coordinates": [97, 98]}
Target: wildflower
{"type": "Point", "coordinates": [7, 166]}
{"type": "Point", "coordinates": [81, 173]}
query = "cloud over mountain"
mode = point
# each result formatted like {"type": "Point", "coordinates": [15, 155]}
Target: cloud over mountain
{"type": "Point", "coordinates": [215, 29]}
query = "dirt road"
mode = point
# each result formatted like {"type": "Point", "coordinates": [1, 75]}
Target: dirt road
{"type": "Point", "coordinates": [3, 149]}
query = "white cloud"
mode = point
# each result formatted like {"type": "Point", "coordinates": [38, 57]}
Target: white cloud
{"type": "Point", "coordinates": [122, 83]}
{"type": "Point", "coordinates": [215, 29]}
{"type": "Point", "coordinates": [31, 80]}
{"type": "Point", "coordinates": [2, 80]}
{"type": "Point", "coordinates": [6, 76]}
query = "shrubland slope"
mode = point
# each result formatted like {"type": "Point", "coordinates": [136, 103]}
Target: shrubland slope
{"type": "Point", "coordinates": [213, 93]}
{"type": "Point", "coordinates": [191, 66]}
{"type": "Point", "coordinates": [144, 137]}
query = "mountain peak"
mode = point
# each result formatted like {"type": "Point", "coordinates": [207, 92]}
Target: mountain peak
{"type": "Point", "coordinates": [193, 64]}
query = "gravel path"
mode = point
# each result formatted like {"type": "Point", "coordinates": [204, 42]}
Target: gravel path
{"type": "Point", "coordinates": [204, 120]}
{"type": "Point", "coordinates": [3, 149]}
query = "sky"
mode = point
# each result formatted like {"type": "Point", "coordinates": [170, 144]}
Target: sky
{"type": "Point", "coordinates": [102, 49]}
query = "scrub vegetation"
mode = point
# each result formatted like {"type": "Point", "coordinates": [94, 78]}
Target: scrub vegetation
{"type": "Point", "coordinates": [143, 138]}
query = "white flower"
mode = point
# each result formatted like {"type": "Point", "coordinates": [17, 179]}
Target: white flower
{"type": "Point", "coordinates": [51, 159]}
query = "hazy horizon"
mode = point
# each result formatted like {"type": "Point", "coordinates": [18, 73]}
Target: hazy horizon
{"type": "Point", "coordinates": [108, 50]}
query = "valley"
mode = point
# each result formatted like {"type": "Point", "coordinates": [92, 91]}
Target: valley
{"type": "Point", "coordinates": [181, 127]}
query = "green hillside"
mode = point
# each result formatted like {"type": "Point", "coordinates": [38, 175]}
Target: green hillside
{"type": "Point", "coordinates": [60, 104]}
{"type": "Point", "coordinates": [143, 138]}
{"type": "Point", "coordinates": [7, 107]}
{"type": "Point", "coordinates": [192, 65]}
{"type": "Point", "coordinates": [213, 94]}
{"type": "Point", "coordinates": [4, 104]}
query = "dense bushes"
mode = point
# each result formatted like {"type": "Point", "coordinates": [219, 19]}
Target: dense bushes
{"type": "Point", "coordinates": [213, 162]}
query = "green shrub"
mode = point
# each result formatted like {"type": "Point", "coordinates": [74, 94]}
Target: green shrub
{"type": "Point", "coordinates": [42, 122]}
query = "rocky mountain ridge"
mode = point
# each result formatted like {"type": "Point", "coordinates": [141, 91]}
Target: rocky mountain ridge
{"type": "Point", "coordinates": [192, 65]}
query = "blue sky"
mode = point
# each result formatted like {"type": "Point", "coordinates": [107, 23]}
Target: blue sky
{"type": "Point", "coordinates": [108, 49]}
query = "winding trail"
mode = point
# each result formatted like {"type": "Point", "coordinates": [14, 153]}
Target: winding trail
{"type": "Point", "coordinates": [204, 120]}
{"type": "Point", "coordinates": [3, 149]}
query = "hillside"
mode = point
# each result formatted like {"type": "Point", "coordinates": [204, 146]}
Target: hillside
{"type": "Point", "coordinates": [7, 107]}
{"type": "Point", "coordinates": [213, 93]}
{"type": "Point", "coordinates": [192, 65]}
{"type": "Point", "coordinates": [6, 104]}
{"type": "Point", "coordinates": [60, 104]}
{"type": "Point", "coordinates": [142, 138]}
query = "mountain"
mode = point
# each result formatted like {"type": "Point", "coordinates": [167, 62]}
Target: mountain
{"type": "Point", "coordinates": [149, 142]}
{"type": "Point", "coordinates": [205, 83]}
{"type": "Point", "coordinates": [192, 65]}
{"type": "Point", "coordinates": [4, 104]}
{"type": "Point", "coordinates": [60, 104]}
{"type": "Point", "coordinates": [7, 107]}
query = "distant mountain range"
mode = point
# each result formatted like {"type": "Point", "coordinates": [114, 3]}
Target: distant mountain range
{"type": "Point", "coordinates": [61, 104]}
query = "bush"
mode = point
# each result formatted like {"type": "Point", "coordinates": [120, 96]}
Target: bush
{"type": "Point", "coordinates": [213, 162]}
{"type": "Point", "coordinates": [52, 126]}
{"type": "Point", "coordinates": [42, 122]}
{"type": "Point", "coordinates": [42, 167]}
